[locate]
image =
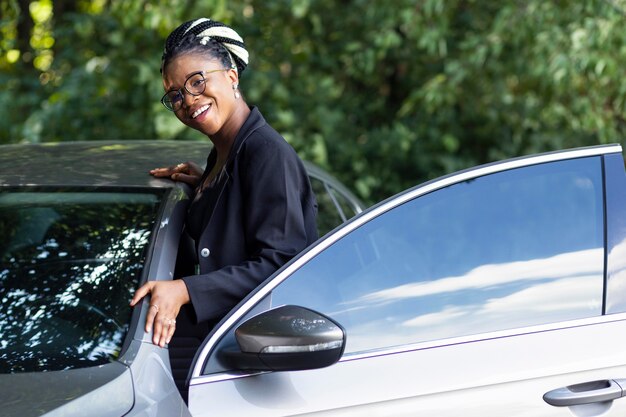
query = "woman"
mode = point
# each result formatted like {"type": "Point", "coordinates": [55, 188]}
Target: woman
{"type": "Point", "coordinates": [253, 208]}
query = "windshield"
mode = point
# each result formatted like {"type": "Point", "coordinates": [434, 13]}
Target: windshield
{"type": "Point", "coordinates": [69, 263]}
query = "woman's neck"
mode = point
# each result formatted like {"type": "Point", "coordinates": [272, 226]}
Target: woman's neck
{"type": "Point", "coordinates": [224, 139]}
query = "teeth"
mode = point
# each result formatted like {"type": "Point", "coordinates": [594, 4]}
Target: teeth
{"type": "Point", "coordinates": [199, 111]}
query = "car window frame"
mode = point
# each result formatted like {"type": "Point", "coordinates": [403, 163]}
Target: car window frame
{"type": "Point", "coordinates": [615, 216]}
{"type": "Point", "coordinates": [254, 302]}
{"type": "Point", "coordinates": [331, 183]}
{"type": "Point", "coordinates": [160, 258]}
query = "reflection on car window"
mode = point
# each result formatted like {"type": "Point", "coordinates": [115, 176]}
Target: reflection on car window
{"type": "Point", "coordinates": [516, 248]}
{"type": "Point", "coordinates": [328, 216]}
{"type": "Point", "coordinates": [69, 262]}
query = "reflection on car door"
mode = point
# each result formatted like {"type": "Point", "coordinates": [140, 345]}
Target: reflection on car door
{"type": "Point", "coordinates": [475, 295]}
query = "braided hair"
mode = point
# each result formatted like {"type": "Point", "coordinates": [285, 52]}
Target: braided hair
{"type": "Point", "coordinates": [210, 37]}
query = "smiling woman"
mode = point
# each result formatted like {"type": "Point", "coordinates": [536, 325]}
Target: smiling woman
{"type": "Point", "coordinates": [253, 207]}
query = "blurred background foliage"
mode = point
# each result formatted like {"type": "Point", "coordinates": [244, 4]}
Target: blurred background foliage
{"type": "Point", "coordinates": [385, 94]}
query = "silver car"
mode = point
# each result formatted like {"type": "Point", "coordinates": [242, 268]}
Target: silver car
{"type": "Point", "coordinates": [495, 291]}
{"type": "Point", "coordinates": [81, 226]}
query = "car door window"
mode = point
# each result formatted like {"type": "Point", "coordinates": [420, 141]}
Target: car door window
{"type": "Point", "coordinates": [328, 213]}
{"type": "Point", "coordinates": [516, 248]}
{"type": "Point", "coordinates": [348, 207]}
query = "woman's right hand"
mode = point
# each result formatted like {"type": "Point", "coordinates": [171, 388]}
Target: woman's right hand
{"type": "Point", "coordinates": [187, 172]}
{"type": "Point", "coordinates": [166, 299]}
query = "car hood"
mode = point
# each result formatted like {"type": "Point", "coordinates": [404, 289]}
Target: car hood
{"type": "Point", "coordinates": [105, 390]}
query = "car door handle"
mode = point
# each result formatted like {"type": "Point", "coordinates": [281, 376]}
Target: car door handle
{"type": "Point", "coordinates": [585, 393]}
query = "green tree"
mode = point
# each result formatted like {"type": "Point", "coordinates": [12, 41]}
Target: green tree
{"type": "Point", "coordinates": [384, 94]}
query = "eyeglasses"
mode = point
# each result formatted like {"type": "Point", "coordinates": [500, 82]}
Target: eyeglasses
{"type": "Point", "coordinates": [194, 85]}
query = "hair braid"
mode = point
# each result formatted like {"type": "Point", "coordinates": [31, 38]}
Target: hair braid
{"type": "Point", "coordinates": [207, 35]}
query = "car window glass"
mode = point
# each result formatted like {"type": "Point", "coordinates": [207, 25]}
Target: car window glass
{"type": "Point", "coordinates": [328, 216]}
{"type": "Point", "coordinates": [69, 263]}
{"type": "Point", "coordinates": [516, 248]}
{"type": "Point", "coordinates": [348, 208]}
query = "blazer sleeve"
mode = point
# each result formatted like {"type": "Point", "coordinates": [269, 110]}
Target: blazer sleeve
{"type": "Point", "coordinates": [279, 212]}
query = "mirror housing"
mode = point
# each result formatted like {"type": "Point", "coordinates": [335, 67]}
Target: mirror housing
{"type": "Point", "coordinates": [287, 338]}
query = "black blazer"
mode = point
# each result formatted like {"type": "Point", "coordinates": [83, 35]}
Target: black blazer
{"type": "Point", "coordinates": [265, 214]}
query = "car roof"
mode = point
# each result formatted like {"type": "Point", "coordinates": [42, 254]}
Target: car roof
{"type": "Point", "coordinates": [122, 163]}
{"type": "Point", "coordinates": [105, 163]}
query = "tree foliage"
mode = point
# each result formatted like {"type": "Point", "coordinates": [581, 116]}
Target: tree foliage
{"type": "Point", "coordinates": [384, 94]}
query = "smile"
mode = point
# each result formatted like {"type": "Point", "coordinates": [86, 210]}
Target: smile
{"type": "Point", "coordinates": [200, 111]}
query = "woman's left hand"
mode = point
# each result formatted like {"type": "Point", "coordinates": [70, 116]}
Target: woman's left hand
{"type": "Point", "coordinates": [166, 299]}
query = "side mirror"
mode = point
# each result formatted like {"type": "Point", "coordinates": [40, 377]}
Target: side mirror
{"type": "Point", "coordinates": [287, 338]}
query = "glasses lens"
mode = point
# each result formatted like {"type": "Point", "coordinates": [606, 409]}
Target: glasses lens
{"type": "Point", "coordinates": [173, 100]}
{"type": "Point", "coordinates": [195, 84]}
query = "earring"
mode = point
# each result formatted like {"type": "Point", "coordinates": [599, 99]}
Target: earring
{"type": "Point", "coordinates": [236, 90]}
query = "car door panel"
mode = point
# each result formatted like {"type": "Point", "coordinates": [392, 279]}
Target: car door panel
{"type": "Point", "coordinates": [428, 268]}
{"type": "Point", "coordinates": [505, 375]}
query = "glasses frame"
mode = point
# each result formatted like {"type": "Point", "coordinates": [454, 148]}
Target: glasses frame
{"type": "Point", "coordinates": [184, 89]}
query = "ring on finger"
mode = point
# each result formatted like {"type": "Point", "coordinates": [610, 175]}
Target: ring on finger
{"type": "Point", "coordinates": [156, 307]}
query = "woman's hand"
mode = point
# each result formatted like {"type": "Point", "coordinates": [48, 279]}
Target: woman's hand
{"type": "Point", "coordinates": [187, 172]}
{"type": "Point", "coordinates": [167, 297]}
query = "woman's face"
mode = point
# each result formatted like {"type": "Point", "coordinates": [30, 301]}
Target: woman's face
{"type": "Point", "coordinates": [212, 110]}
